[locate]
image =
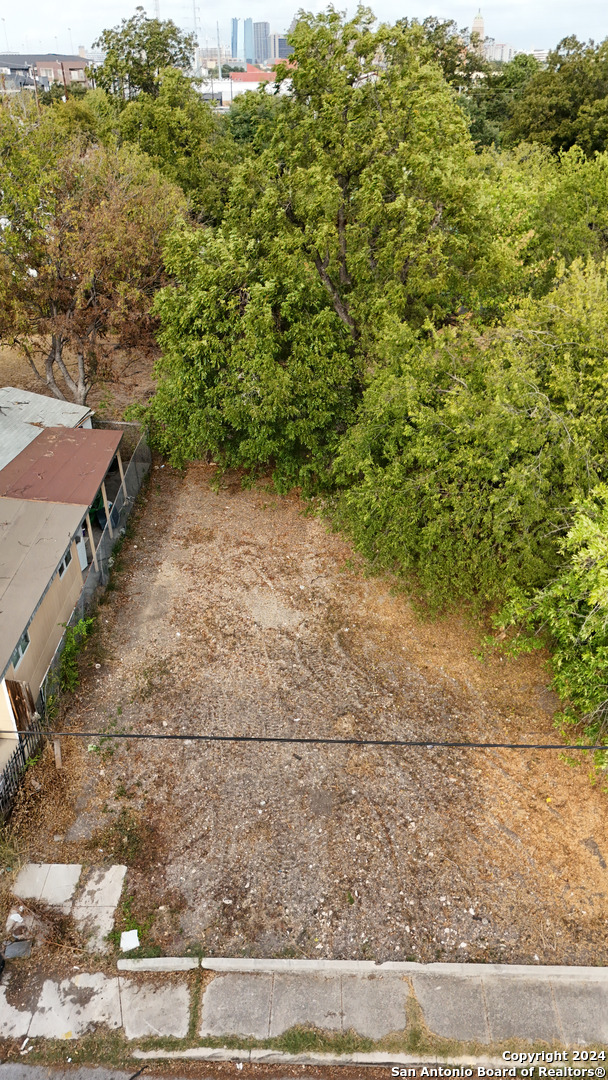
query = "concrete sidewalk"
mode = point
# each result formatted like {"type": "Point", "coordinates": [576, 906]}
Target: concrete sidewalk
{"type": "Point", "coordinates": [262, 999]}
{"type": "Point", "coordinates": [466, 1002]}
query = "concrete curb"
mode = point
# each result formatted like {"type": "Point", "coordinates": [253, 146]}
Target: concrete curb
{"type": "Point", "coordinates": [160, 963]}
{"type": "Point", "coordinates": [277, 1057]}
{"type": "Point", "coordinates": [249, 965]}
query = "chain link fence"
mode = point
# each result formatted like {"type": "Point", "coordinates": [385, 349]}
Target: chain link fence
{"type": "Point", "coordinates": [122, 506]}
{"type": "Point", "coordinates": [97, 577]}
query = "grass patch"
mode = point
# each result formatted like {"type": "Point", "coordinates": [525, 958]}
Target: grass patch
{"type": "Point", "coordinates": [300, 1040]}
{"type": "Point", "coordinates": [100, 1047]}
{"type": "Point", "coordinates": [127, 919]}
{"type": "Point", "coordinates": [151, 679]}
{"type": "Point", "coordinates": [195, 1005]}
{"type": "Point", "coordinates": [125, 839]}
{"type": "Point", "coordinates": [11, 856]}
{"type": "Point", "coordinates": [112, 1049]}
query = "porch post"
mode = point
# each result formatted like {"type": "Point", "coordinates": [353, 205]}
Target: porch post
{"type": "Point", "coordinates": [107, 508]}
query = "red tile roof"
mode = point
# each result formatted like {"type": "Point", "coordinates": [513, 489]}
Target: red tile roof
{"type": "Point", "coordinates": [253, 75]}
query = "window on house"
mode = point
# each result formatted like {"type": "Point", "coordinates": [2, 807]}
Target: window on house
{"type": "Point", "coordinates": [19, 652]}
{"type": "Point", "coordinates": [65, 562]}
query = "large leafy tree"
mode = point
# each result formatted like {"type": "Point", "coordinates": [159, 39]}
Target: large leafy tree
{"type": "Point", "coordinates": [571, 614]}
{"type": "Point", "coordinates": [491, 101]}
{"type": "Point", "coordinates": [183, 138]}
{"type": "Point", "coordinates": [137, 51]}
{"type": "Point", "coordinates": [80, 250]}
{"type": "Point", "coordinates": [357, 214]}
{"type": "Point", "coordinates": [457, 52]}
{"type": "Point", "coordinates": [566, 103]}
{"type": "Point", "coordinates": [469, 454]}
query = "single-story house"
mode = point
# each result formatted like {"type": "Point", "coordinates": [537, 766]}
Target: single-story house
{"type": "Point", "coordinates": [46, 544]}
{"type": "Point", "coordinates": [40, 581]}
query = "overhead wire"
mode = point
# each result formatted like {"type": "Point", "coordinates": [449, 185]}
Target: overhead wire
{"type": "Point", "coordinates": [423, 744]}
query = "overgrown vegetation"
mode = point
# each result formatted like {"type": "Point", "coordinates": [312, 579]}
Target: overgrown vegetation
{"type": "Point", "coordinates": [388, 285]}
{"type": "Point", "coordinates": [75, 638]}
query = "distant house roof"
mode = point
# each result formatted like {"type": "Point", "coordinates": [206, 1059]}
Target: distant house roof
{"type": "Point", "coordinates": [33, 541]}
{"type": "Point", "coordinates": [42, 410]}
{"type": "Point", "coordinates": [63, 465]}
{"type": "Point", "coordinates": [20, 60]}
{"type": "Point", "coordinates": [14, 437]}
{"type": "Point", "coordinates": [253, 75]}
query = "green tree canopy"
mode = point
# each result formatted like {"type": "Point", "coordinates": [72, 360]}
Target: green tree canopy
{"type": "Point", "coordinates": [359, 213]}
{"type": "Point", "coordinates": [491, 101]}
{"type": "Point", "coordinates": [566, 103]}
{"type": "Point", "coordinates": [468, 454]}
{"type": "Point", "coordinates": [176, 128]}
{"type": "Point", "coordinates": [457, 52]}
{"type": "Point", "coordinates": [571, 614]}
{"type": "Point", "coordinates": [137, 51]}
{"type": "Point", "coordinates": [80, 249]}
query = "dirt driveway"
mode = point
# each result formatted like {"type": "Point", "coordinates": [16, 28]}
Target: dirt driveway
{"type": "Point", "coordinates": [236, 613]}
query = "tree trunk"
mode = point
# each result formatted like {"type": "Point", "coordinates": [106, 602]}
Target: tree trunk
{"type": "Point", "coordinates": [49, 364]}
{"type": "Point", "coordinates": [78, 390]}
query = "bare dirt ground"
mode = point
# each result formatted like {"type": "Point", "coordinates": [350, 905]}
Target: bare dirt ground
{"type": "Point", "coordinates": [132, 381]}
{"type": "Point", "coordinates": [235, 612]}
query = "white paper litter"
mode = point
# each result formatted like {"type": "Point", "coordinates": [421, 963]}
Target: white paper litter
{"type": "Point", "coordinates": [129, 939]}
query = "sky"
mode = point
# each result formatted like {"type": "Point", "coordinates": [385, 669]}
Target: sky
{"type": "Point", "coordinates": [41, 26]}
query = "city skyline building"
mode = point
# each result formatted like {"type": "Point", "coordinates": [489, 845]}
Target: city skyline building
{"type": "Point", "coordinates": [248, 40]}
{"type": "Point", "coordinates": [234, 38]}
{"type": "Point", "coordinates": [478, 28]}
{"type": "Point", "coordinates": [261, 32]}
{"type": "Point", "coordinates": [278, 47]}
{"type": "Point", "coordinates": [502, 52]}
{"type": "Point", "coordinates": [499, 52]}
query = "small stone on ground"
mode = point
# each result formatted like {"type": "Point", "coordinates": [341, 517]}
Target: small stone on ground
{"type": "Point", "coordinates": [15, 949]}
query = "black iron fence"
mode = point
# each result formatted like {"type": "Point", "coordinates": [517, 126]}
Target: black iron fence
{"type": "Point", "coordinates": [12, 773]}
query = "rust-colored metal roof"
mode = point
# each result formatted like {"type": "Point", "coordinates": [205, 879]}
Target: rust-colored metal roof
{"type": "Point", "coordinates": [62, 465]}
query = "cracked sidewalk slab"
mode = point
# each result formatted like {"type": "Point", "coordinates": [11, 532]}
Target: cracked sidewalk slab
{"type": "Point", "coordinates": [50, 883]}
{"type": "Point", "coordinates": [93, 910]}
{"type": "Point", "coordinates": [72, 1007]}
{"type": "Point", "coordinates": [92, 901]}
{"type": "Point", "coordinates": [484, 1007]}
{"type": "Point", "coordinates": [150, 1011]}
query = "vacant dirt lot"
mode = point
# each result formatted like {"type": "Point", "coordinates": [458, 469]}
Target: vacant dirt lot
{"type": "Point", "coordinates": [131, 381]}
{"type": "Point", "coordinates": [236, 613]}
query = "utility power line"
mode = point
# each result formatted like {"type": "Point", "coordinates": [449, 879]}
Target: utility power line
{"type": "Point", "coordinates": [421, 744]}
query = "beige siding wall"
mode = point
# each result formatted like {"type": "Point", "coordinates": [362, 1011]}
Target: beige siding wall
{"type": "Point", "coordinates": [45, 629]}
{"type": "Point", "coordinates": [7, 723]}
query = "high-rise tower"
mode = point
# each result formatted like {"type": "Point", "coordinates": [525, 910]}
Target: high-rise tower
{"type": "Point", "coordinates": [248, 40]}
{"type": "Point", "coordinates": [261, 30]}
{"type": "Point", "coordinates": [479, 29]}
{"type": "Point", "coordinates": [234, 39]}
